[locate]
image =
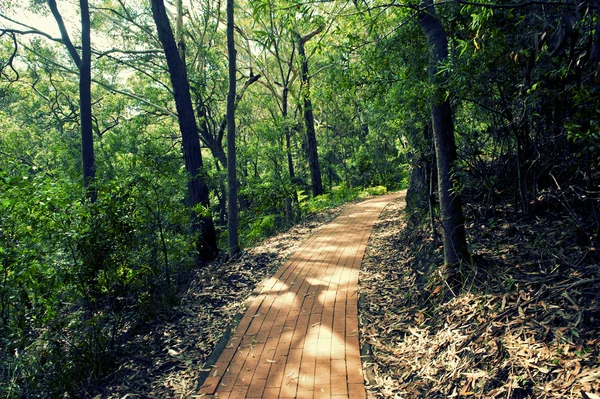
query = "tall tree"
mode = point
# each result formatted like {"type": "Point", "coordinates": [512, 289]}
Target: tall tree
{"type": "Point", "coordinates": [197, 187]}
{"type": "Point", "coordinates": [83, 63]}
{"type": "Point", "coordinates": [453, 229]}
{"type": "Point", "coordinates": [232, 207]}
{"type": "Point", "coordinates": [309, 119]}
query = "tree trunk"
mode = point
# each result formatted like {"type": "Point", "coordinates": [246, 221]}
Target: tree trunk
{"type": "Point", "coordinates": [85, 91]}
{"type": "Point", "coordinates": [453, 229]}
{"type": "Point", "coordinates": [232, 218]}
{"type": "Point", "coordinates": [313, 156]}
{"type": "Point", "coordinates": [85, 104]}
{"type": "Point", "coordinates": [179, 30]}
{"type": "Point", "coordinates": [418, 195]}
{"type": "Point", "coordinates": [197, 187]}
{"type": "Point", "coordinates": [288, 136]}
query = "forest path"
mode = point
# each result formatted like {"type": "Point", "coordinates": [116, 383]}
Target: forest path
{"type": "Point", "coordinates": [299, 336]}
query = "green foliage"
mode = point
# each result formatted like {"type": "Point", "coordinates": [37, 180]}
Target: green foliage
{"type": "Point", "coordinates": [74, 274]}
{"type": "Point", "coordinates": [261, 228]}
{"type": "Point", "coordinates": [76, 278]}
{"type": "Point", "coordinates": [377, 190]}
{"type": "Point", "coordinates": [338, 196]}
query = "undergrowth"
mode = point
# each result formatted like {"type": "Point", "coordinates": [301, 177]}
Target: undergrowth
{"type": "Point", "coordinates": [257, 224]}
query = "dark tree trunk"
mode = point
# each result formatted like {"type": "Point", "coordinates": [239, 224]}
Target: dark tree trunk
{"type": "Point", "coordinates": [418, 190]}
{"type": "Point", "coordinates": [85, 104]}
{"type": "Point", "coordinates": [85, 91]}
{"type": "Point", "coordinates": [453, 229]}
{"type": "Point", "coordinates": [313, 156]}
{"type": "Point", "coordinates": [232, 217]}
{"type": "Point", "coordinates": [197, 187]}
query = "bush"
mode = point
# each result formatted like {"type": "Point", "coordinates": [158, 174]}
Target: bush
{"type": "Point", "coordinates": [377, 190]}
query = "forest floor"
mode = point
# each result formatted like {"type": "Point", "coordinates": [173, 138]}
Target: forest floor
{"type": "Point", "coordinates": [526, 325]}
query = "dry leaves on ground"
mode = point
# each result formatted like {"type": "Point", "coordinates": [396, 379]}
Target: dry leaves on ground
{"type": "Point", "coordinates": [527, 325]}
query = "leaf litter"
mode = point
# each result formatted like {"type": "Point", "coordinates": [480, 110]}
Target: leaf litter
{"type": "Point", "coordinates": [526, 325]}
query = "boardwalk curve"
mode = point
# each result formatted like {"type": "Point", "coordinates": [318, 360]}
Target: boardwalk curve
{"type": "Point", "coordinates": [299, 336]}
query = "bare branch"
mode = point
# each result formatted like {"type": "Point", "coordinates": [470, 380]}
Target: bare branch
{"type": "Point", "coordinates": [31, 32]}
{"type": "Point", "coordinates": [505, 6]}
{"type": "Point", "coordinates": [9, 63]}
{"type": "Point", "coordinates": [66, 40]}
{"type": "Point", "coordinates": [101, 54]}
{"type": "Point", "coordinates": [307, 37]}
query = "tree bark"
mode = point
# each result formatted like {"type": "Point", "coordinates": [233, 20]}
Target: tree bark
{"type": "Point", "coordinates": [197, 188]}
{"type": "Point", "coordinates": [313, 156]}
{"type": "Point", "coordinates": [232, 206]}
{"type": "Point", "coordinates": [453, 229]}
{"type": "Point", "coordinates": [418, 195]}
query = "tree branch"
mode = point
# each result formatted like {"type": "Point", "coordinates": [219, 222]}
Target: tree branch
{"type": "Point", "coordinates": [101, 54]}
{"type": "Point", "coordinates": [32, 32]}
{"type": "Point", "coordinates": [66, 40]}
{"type": "Point", "coordinates": [251, 79]}
{"type": "Point", "coordinates": [505, 6]}
{"type": "Point", "coordinates": [163, 110]}
{"type": "Point", "coordinates": [9, 62]}
{"type": "Point", "coordinates": [305, 38]}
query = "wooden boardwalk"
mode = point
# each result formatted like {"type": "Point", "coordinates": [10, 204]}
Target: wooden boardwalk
{"type": "Point", "coordinates": [299, 336]}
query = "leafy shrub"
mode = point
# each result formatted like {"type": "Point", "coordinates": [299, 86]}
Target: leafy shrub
{"type": "Point", "coordinates": [76, 277]}
{"type": "Point", "coordinates": [377, 190]}
{"type": "Point", "coordinates": [263, 227]}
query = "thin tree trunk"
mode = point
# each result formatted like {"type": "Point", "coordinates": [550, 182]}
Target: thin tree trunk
{"type": "Point", "coordinates": [85, 104]}
{"type": "Point", "coordinates": [288, 136]}
{"type": "Point", "coordinates": [179, 31]}
{"type": "Point", "coordinates": [455, 244]}
{"type": "Point", "coordinates": [197, 187]}
{"type": "Point", "coordinates": [83, 63]}
{"type": "Point", "coordinates": [232, 218]}
{"type": "Point", "coordinates": [313, 156]}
